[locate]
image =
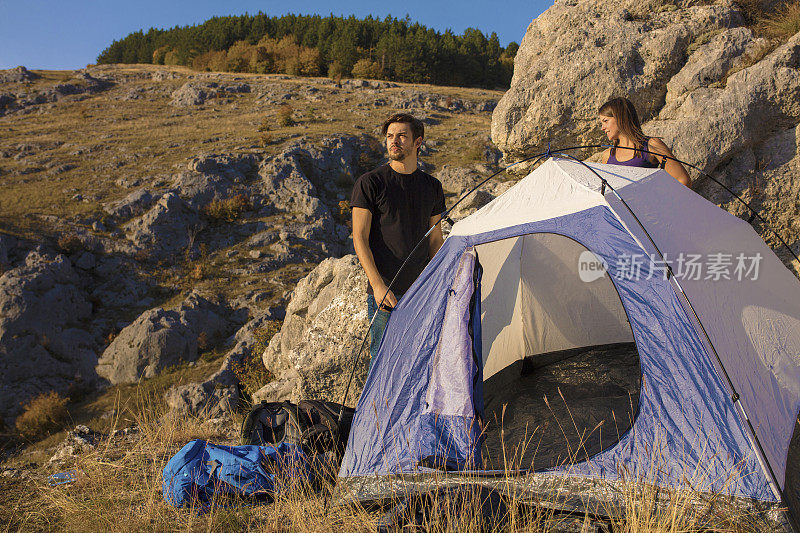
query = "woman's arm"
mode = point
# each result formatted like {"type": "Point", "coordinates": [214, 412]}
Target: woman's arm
{"type": "Point", "coordinates": [606, 154]}
{"type": "Point", "coordinates": [672, 167]}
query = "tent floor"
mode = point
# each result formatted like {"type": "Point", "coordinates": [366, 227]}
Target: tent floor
{"type": "Point", "coordinates": [581, 402]}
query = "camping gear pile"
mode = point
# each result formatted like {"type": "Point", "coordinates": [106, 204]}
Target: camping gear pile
{"type": "Point", "coordinates": [283, 444]}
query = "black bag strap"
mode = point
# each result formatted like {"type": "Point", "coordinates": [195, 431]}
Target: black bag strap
{"type": "Point", "coordinates": [292, 429]}
{"type": "Point", "coordinates": [325, 414]}
{"type": "Point", "coordinates": [249, 422]}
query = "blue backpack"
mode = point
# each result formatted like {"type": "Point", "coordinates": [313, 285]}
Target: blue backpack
{"type": "Point", "coordinates": [200, 470]}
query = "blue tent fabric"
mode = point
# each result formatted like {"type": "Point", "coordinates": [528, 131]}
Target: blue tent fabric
{"type": "Point", "coordinates": [200, 470]}
{"type": "Point", "coordinates": [684, 406]}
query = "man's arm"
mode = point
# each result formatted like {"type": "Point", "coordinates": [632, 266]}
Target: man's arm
{"type": "Point", "coordinates": [435, 239]}
{"type": "Point", "coordinates": [362, 222]}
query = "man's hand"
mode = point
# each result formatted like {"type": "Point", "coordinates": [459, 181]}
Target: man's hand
{"type": "Point", "coordinates": [389, 302]}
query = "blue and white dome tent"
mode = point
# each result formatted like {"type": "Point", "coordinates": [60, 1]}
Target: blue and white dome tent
{"type": "Point", "coordinates": [714, 357]}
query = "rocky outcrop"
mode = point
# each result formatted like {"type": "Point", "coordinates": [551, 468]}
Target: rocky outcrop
{"type": "Point", "coordinates": [43, 347]}
{"type": "Point", "coordinates": [192, 93]}
{"type": "Point", "coordinates": [17, 75]}
{"type": "Point", "coordinates": [325, 322]}
{"type": "Point", "coordinates": [416, 100]}
{"type": "Point", "coordinates": [167, 228]}
{"type": "Point", "coordinates": [307, 182]}
{"type": "Point", "coordinates": [132, 205]}
{"type": "Point", "coordinates": [161, 338]}
{"type": "Point", "coordinates": [710, 125]}
{"type": "Point", "coordinates": [580, 53]}
{"type": "Point", "coordinates": [702, 81]}
{"type": "Point", "coordinates": [83, 84]}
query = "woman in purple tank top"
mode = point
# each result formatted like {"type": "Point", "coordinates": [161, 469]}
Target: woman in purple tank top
{"type": "Point", "coordinates": [620, 122]}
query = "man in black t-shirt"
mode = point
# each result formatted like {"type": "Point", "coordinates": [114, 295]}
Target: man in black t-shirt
{"type": "Point", "coordinates": [393, 207]}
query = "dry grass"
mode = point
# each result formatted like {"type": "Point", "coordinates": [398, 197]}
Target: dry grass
{"type": "Point", "coordinates": [250, 371]}
{"type": "Point", "coordinates": [783, 23]}
{"type": "Point", "coordinates": [43, 414]}
{"type": "Point", "coordinates": [228, 209]}
{"type": "Point", "coordinates": [119, 482]}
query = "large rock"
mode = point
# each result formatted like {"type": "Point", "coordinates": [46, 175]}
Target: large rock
{"type": "Point", "coordinates": [325, 322]}
{"type": "Point", "coordinates": [17, 75]}
{"type": "Point", "coordinates": [43, 345]}
{"type": "Point", "coordinates": [132, 205]}
{"type": "Point", "coordinates": [161, 338]}
{"type": "Point", "coordinates": [700, 80]}
{"type": "Point", "coordinates": [709, 125]}
{"type": "Point", "coordinates": [580, 53]}
{"type": "Point", "coordinates": [192, 93]}
{"type": "Point", "coordinates": [219, 394]}
{"type": "Point", "coordinates": [167, 228]}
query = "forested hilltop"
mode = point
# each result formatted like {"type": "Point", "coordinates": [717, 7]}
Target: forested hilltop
{"type": "Point", "coordinates": [306, 45]}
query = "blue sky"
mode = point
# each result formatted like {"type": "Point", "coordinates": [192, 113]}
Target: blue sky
{"type": "Point", "coordinates": [69, 34]}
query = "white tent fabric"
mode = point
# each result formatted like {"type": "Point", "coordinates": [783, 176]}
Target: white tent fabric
{"type": "Point", "coordinates": [538, 302]}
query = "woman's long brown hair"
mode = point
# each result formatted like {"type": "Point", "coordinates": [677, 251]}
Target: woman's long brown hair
{"type": "Point", "coordinates": [624, 111]}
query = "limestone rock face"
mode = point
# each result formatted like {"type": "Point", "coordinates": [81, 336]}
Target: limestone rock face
{"type": "Point", "coordinates": [723, 99]}
{"type": "Point", "coordinates": [166, 228]}
{"type": "Point", "coordinates": [42, 344]}
{"type": "Point", "coordinates": [160, 338]}
{"type": "Point", "coordinates": [710, 125]}
{"type": "Point", "coordinates": [580, 53]}
{"type": "Point", "coordinates": [766, 176]}
{"type": "Point", "coordinates": [17, 75]}
{"type": "Point", "coordinates": [326, 319]}
{"type": "Point", "coordinates": [708, 65]}
{"type": "Point", "coordinates": [192, 93]}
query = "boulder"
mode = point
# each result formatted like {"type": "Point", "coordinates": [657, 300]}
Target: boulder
{"type": "Point", "coordinates": [17, 75]}
{"type": "Point", "coordinates": [43, 343]}
{"type": "Point", "coordinates": [209, 399]}
{"type": "Point", "coordinates": [192, 93]}
{"type": "Point", "coordinates": [161, 338]}
{"type": "Point", "coordinates": [458, 179]}
{"type": "Point", "coordinates": [326, 319]}
{"type": "Point", "coordinates": [167, 228]}
{"type": "Point", "coordinates": [580, 53]}
{"type": "Point", "coordinates": [234, 166]}
{"type": "Point", "coordinates": [710, 125]}
{"type": "Point", "coordinates": [162, 75]}
{"type": "Point", "coordinates": [219, 393]}
{"type": "Point", "coordinates": [132, 205]}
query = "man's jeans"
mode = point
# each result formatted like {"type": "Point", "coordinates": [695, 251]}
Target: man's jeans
{"type": "Point", "coordinates": [376, 331]}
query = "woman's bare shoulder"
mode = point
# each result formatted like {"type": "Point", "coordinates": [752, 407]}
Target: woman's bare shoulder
{"type": "Point", "coordinates": [605, 155]}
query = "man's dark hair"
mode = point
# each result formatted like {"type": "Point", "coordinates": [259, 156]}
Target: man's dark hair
{"type": "Point", "coordinates": [417, 128]}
